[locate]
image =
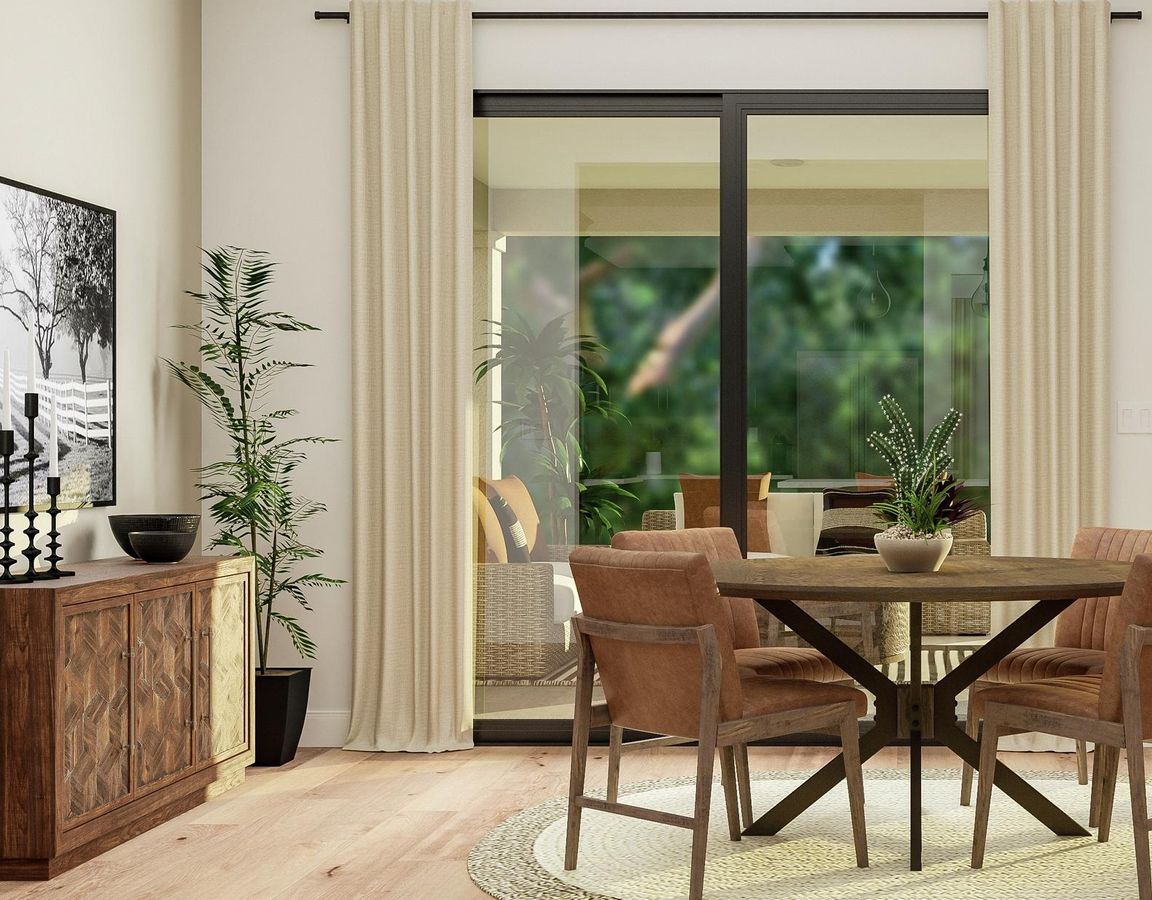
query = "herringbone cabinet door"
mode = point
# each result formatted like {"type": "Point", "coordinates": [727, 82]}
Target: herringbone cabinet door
{"type": "Point", "coordinates": [163, 699]}
{"type": "Point", "coordinates": [222, 667]}
{"type": "Point", "coordinates": [96, 718]}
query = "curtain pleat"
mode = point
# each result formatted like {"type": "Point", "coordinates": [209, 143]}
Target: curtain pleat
{"type": "Point", "coordinates": [1048, 177]}
{"type": "Point", "coordinates": [411, 353]}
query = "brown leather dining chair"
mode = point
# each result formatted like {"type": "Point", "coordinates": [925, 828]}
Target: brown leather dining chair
{"type": "Point", "coordinates": [1113, 709]}
{"type": "Point", "coordinates": [1081, 632]}
{"type": "Point", "coordinates": [658, 633]}
{"type": "Point", "coordinates": [751, 658]}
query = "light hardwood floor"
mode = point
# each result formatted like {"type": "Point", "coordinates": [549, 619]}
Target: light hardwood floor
{"type": "Point", "coordinates": [335, 824]}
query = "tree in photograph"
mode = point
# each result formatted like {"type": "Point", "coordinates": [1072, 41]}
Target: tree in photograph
{"type": "Point", "coordinates": [28, 282]}
{"type": "Point", "coordinates": [84, 272]}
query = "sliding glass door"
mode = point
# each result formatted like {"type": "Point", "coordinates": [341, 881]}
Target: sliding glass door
{"type": "Point", "coordinates": [598, 383]}
{"type": "Point", "coordinates": [706, 285]}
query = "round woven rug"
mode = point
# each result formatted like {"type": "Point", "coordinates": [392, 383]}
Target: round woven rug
{"type": "Point", "coordinates": [630, 859]}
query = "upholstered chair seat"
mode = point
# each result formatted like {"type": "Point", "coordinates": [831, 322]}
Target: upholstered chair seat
{"type": "Point", "coordinates": [1072, 695]}
{"type": "Point", "coordinates": [772, 695]}
{"type": "Point", "coordinates": [788, 662]}
{"type": "Point", "coordinates": [1035, 663]}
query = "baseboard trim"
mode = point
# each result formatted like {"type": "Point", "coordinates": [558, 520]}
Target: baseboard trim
{"type": "Point", "coordinates": [326, 728]}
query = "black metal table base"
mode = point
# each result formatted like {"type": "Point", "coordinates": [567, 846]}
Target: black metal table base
{"type": "Point", "coordinates": [915, 711]}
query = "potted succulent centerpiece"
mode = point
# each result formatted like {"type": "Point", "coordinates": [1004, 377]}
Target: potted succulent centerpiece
{"type": "Point", "coordinates": [925, 500]}
{"type": "Point", "coordinates": [253, 500]}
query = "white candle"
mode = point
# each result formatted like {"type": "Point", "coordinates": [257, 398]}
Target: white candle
{"type": "Point", "coordinates": [54, 445]}
{"type": "Point", "coordinates": [31, 358]}
{"type": "Point", "coordinates": [7, 390]}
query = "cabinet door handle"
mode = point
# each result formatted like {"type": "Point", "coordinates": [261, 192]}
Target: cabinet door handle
{"type": "Point", "coordinates": [127, 654]}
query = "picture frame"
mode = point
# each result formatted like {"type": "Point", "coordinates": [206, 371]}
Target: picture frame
{"type": "Point", "coordinates": [58, 274]}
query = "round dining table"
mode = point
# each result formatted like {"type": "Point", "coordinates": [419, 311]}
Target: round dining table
{"type": "Point", "coordinates": [911, 710]}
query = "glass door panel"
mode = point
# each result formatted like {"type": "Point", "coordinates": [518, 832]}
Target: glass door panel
{"type": "Point", "coordinates": [596, 311]}
{"type": "Point", "coordinates": [867, 275]}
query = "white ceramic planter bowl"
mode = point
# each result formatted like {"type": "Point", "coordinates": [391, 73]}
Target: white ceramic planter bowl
{"type": "Point", "coordinates": [913, 554]}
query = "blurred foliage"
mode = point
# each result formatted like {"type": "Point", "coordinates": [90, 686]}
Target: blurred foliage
{"type": "Point", "coordinates": [834, 323]}
{"type": "Point", "coordinates": [549, 388]}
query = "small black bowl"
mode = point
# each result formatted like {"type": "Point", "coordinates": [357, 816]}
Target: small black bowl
{"type": "Point", "coordinates": [123, 525]}
{"type": "Point", "coordinates": [161, 546]}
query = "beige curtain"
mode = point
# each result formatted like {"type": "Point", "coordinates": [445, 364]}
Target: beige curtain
{"type": "Point", "coordinates": [411, 354]}
{"type": "Point", "coordinates": [1048, 232]}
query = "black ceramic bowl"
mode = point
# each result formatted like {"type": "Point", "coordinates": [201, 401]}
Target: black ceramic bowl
{"type": "Point", "coordinates": [161, 546]}
{"type": "Point", "coordinates": [124, 525]}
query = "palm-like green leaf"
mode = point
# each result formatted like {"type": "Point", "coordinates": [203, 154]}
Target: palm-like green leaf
{"type": "Point", "coordinates": [251, 495]}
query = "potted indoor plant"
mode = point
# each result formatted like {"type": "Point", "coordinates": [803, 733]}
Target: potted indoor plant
{"type": "Point", "coordinates": [252, 497]}
{"type": "Point", "coordinates": [924, 501]}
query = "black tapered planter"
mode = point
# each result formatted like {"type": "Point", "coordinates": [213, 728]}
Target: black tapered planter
{"type": "Point", "coordinates": [281, 704]}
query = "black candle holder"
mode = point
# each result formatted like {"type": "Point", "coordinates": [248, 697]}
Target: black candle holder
{"type": "Point", "coordinates": [54, 558]}
{"type": "Point", "coordinates": [7, 561]}
{"type": "Point", "coordinates": [31, 411]}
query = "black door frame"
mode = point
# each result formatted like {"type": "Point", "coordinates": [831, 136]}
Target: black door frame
{"type": "Point", "coordinates": [732, 108]}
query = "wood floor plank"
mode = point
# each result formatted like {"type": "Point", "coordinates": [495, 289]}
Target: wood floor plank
{"type": "Point", "coordinates": [336, 824]}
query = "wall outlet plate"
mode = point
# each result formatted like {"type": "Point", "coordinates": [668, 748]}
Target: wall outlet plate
{"type": "Point", "coordinates": [1134, 417]}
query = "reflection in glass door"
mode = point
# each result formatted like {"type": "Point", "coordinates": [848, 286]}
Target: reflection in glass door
{"type": "Point", "coordinates": [866, 275]}
{"type": "Point", "coordinates": [597, 299]}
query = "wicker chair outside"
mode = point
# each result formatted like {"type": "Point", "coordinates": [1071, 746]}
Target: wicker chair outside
{"type": "Point", "coordinates": [658, 520]}
{"type": "Point", "coordinates": [969, 538]}
{"type": "Point", "coordinates": [516, 637]}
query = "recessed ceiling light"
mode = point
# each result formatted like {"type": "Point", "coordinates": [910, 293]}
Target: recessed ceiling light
{"type": "Point", "coordinates": [787, 163]}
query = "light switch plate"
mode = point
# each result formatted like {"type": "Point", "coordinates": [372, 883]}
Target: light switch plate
{"type": "Point", "coordinates": [1134, 417]}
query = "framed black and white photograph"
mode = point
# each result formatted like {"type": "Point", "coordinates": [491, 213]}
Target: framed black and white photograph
{"type": "Point", "coordinates": [58, 339]}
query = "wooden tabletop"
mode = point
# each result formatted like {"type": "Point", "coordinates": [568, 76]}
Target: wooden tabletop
{"type": "Point", "coordinates": [863, 577]}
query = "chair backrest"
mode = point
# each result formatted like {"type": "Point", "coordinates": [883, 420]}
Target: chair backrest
{"type": "Point", "coordinates": [702, 505]}
{"type": "Point", "coordinates": [1133, 607]}
{"type": "Point", "coordinates": [1085, 624]}
{"type": "Point", "coordinates": [655, 687]}
{"type": "Point", "coordinates": [714, 544]}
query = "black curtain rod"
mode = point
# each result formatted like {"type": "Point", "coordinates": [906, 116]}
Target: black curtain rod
{"type": "Point", "coordinates": [636, 14]}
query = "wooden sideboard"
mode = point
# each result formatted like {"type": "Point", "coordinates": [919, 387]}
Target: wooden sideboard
{"type": "Point", "coordinates": [125, 699]}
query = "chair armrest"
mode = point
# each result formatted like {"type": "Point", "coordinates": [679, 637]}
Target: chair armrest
{"type": "Point", "coordinates": [560, 552]}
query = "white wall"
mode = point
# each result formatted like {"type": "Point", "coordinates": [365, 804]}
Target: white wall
{"type": "Point", "coordinates": [100, 101]}
{"type": "Point", "coordinates": [276, 178]}
{"type": "Point", "coordinates": [276, 125]}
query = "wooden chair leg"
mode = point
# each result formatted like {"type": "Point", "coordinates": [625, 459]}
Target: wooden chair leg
{"type": "Point", "coordinates": [705, 760]}
{"type": "Point", "coordinates": [615, 748]}
{"type": "Point", "coordinates": [1097, 771]}
{"type": "Point", "coordinates": [731, 800]}
{"type": "Point", "coordinates": [972, 728]}
{"type": "Point", "coordinates": [869, 620]}
{"type": "Point", "coordinates": [581, 723]}
{"type": "Point", "coordinates": [1111, 764]}
{"type": "Point", "coordinates": [988, 740]}
{"type": "Point", "coordinates": [1138, 789]}
{"type": "Point", "coordinates": [744, 783]}
{"type": "Point", "coordinates": [1082, 762]}
{"type": "Point", "coordinates": [854, 776]}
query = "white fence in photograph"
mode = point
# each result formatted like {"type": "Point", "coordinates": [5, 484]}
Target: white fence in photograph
{"type": "Point", "coordinates": [84, 410]}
